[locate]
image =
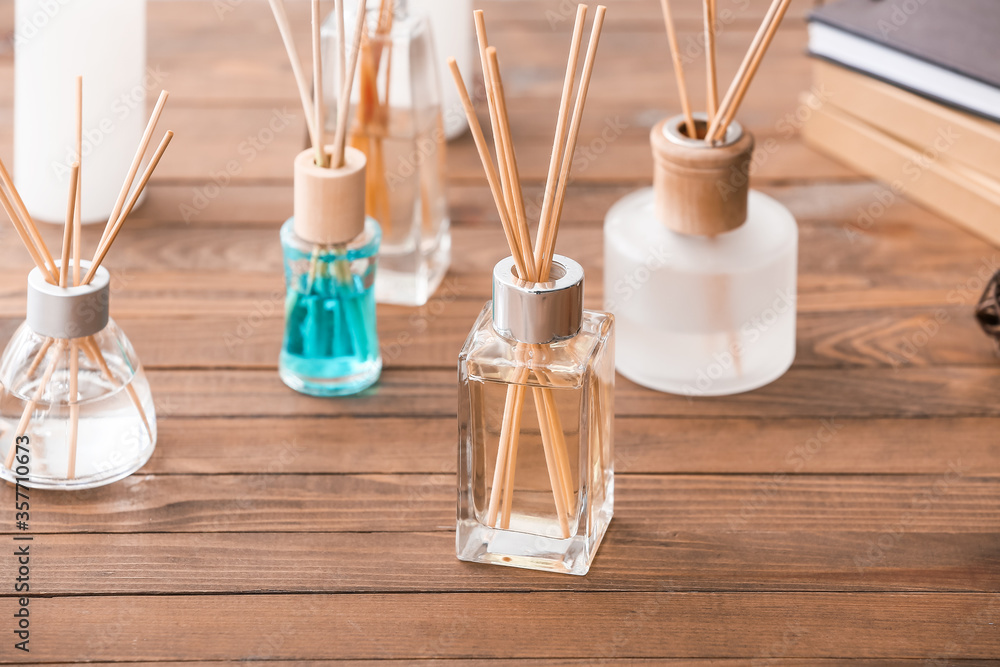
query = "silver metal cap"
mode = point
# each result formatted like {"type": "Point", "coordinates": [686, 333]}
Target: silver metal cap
{"type": "Point", "coordinates": [69, 312]}
{"type": "Point", "coordinates": [538, 313]}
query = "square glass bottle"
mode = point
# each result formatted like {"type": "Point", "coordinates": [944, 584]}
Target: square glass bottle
{"type": "Point", "coordinates": [536, 438]}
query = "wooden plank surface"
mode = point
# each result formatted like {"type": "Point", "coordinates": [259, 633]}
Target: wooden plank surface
{"type": "Point", "coordinates": [847, 514]}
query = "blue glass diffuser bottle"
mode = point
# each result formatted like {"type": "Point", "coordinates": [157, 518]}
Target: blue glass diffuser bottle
{"type": "Point", "coordinates": [330, 248]}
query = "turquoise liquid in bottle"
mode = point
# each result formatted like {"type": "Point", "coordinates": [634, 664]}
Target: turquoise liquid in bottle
{"type": "Point", "coordinates": [331, 342]}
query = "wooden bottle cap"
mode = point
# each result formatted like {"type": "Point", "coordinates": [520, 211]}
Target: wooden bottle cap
{"type": "Point", "coordinates": [329, 203]}
{"type": "Point", "coordinates": [700, 190]}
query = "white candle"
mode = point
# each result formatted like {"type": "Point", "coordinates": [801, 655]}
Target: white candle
{"type": "Point", "coordinates": [454, 37]}
{"type": "Point", "coordinates": [55, 41]}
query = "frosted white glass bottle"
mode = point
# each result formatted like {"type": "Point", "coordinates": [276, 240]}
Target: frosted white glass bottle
{"type": "Point", "coordinates": [454, 35]}
{"type": "Point", "coordinates": [54, 42]}
{"type": "Point", "coordinates": [700, 271]}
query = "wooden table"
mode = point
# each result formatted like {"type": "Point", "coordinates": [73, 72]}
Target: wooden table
{"type": "Point", "coordinates": [850, 510]}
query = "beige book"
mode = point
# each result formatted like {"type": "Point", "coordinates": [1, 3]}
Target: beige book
{"type": "Point", "coordinates": [911, 118]}
{"type": "Point", "coordinates": [928, 176]}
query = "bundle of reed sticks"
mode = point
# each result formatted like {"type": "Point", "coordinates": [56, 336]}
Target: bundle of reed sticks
{"type": "Point", "coordinates": [67, 272]}
{"type": "Point", "coordinates": [332, 156]}
{"type": "Point", "coordinates": [721, 114]}
{"type": "Point", "coordinates": [371, 127]}
{"type": "Point", "coordinates": [327, 156]}
{"type": "Point", "coordinates": [533, 265]}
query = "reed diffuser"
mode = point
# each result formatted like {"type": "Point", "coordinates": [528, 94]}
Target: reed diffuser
{"type": "Point", "coordinates": [75, 406]}
{"type": "Point", "coordinates": [396, 120]}
{"type": "Point", "coordinates": [535, 492]}
{"type": "Point", "coordinates": [700, 270]}
{"type": "Point", "coordinates": [330, 246]}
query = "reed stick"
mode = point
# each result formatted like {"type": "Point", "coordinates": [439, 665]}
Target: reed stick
{"type": "Point", "coordinates": [338, 12]}
{"type": "Point", "coordinates": [675, 54]}
{"type": "Point", "coordinates": [74, 406]}
{"type": "Point", "coordinates": [29, 408]}
{"type": "Point", "coordinates": [507, 197]}
{"type": "Point", "coordinates": [26, 239]}
{"type": "Point", "coordinates": [484, 44]}
{"type": "Point", "coordinates": [510, 159]}
{"type": "Point", "coordinates": [748, 68]}
{"type": "Point", "coordinates": [102, 251]}
{"type": "Point", "coordinates": [133, 169]}
{"type": "Point", "coordinates": [492, 178]}
{"type": "Point", "coordinates": [558, 143]}
{"type": "Point", "coordinates": [371, 128]}
{"type": "Point", "coordinates": [711, 76]}
{"type": "Point", "coordinates": [507, 452]}
{"type": "Point", "coordinates": [25, 227]}
{"type": "Point", "coordinates": [97, 355]}
{"type": "Point", "coordinates": [343, 104]}
{"type": "Point", "coordinates": [319, 113]}
{"type": "Point", "coordinates": [547, 241]}
{"type": "Point", "coordinates": [78, 211]}
{"type": "Point", "coordinates": [301, 82]}
{"type": "Point", "coordinates": [42, 351]}
{"type": "Point", "coordinates": [68, 229]}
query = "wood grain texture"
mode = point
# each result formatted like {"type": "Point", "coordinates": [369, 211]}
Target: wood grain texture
{"type": "Point", "coordinates": [661, 445]}
{"type": "Point", "coordinates": [646, 505]}
{"type": "Point", "coordinates": [915, 392]}
{"type": "Point", "coordinates": [480, 625]}
{"type": "Point", "coordinates": [848, 514]}
{"type": "Point", "coordinates": [168, 563]}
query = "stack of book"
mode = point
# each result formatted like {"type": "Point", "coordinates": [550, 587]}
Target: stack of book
{"type": "Point", "coordinates": [908, 92]}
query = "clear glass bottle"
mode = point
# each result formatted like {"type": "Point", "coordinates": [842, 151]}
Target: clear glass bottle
{"type": "Point", "coordinates": [454, 34]}
{"type": "Point", "coordinates": [536, 394]}
{"type": "Point", "coordinates": [73, 386]}
{"type": "Point", "coordinates": [701, 272]}
{"type": "Point", "coordinates": [330, 345]}
{"type": "Point", "coordinates": [397, 121]}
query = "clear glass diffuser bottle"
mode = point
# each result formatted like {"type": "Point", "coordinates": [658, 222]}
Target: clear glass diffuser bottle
{"type": "Point", "coordinates": [700, 271]}
{"type": "Point", "coordinates": [454, 35]}
{"type": "Point", "coordinates": [75, 406]}
{"type": "Point", "coordinates": [396, 120]}
{"type": "Point", "coordinates": [536, 411]}
{"type": "Point", "coordinates": [331, 248]}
